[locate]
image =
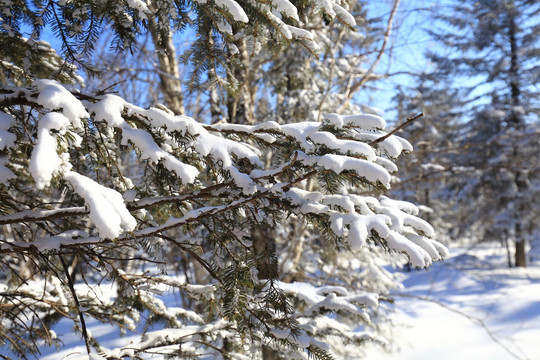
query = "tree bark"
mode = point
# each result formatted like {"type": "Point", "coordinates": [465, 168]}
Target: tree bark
{"type": "Point", "coordinates": [269, 354]}
{"type": "Point", "coordinates": [514, 67]}
{"type": "Point", "coordinates": [264, 247]}
{"type": "Point", "coordinates": [241, 107]}
{"type": "Point", "coordinates": [516, 122]}
{"type": "Point", "coordinates": [168, 67]}
{"type": "Point", "coordinates": [521, 254]}
{"type": "Point", "coordinates": [508, 256]}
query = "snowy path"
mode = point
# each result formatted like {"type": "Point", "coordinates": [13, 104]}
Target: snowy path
{"type": "Point", "coordinates": [469, 307]}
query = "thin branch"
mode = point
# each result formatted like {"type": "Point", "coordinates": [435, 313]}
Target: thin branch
{"type": "Point", "coordinates": [77, 304]}
{"type": "Point", "coordinates": [47, 215]}
{"type": "Point", "coordinates": [403, 72]}
{"type": "Point", "coordinates": [195, 255]}
{"type": "Point", "coordinates": [41, 215]}
{"type": "Point", "coordinates": [331, 74]}
{"type": "Point", "coordinates": [354, 87]}
{"type": "Point", "coordinates": [409, 121]}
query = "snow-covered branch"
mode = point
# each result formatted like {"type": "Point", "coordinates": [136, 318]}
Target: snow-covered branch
{"type": "Point", "coordinates": [111, 176]}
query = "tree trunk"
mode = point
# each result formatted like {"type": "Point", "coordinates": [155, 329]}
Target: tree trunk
{"type": "Point", "coordinates": [522, 184]}
{"type": "Point", "coordinates": [269, 354]}
{"type": "Point", "coordinates": [517, 122]}
{"type": "Point", "coordinates": [264, 246]}
{"type": "Point", "coordinates": [168, 67]}
{"type": "Point", "coordinates": [521, 254]}
{"type": "Point", "coordinates": [508, 256]}
{"type": "Point", "coordinates": [241, 107]}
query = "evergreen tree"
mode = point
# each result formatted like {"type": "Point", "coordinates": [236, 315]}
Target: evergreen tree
{"type": "Point", "coordinates": [98, 191]}
{"type": "Point", "coordinates": [489, 53]}
{"type": "Point", "coordinates": [426, 174]}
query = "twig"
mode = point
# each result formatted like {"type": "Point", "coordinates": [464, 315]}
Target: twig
{"type": "Point", "coordinates": [409, 120]}
{"type": "Point", "coordinates": [331, 74]}
{"type": "Point", "coordinates": [354, 87]}
{"type": "Point", "coordinates": [77, 304]}
{"type": "Point", "coordinates": [42, 215]}
{"type": "Point", "coordinates": [192, 253]}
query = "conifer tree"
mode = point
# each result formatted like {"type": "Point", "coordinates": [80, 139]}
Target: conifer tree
{"type": "Point", "coordinates": [100, 198]}
{"type": "Point", "coordinates": [425, 174]}
{"type": "Point", "coordinates": [489, 53]}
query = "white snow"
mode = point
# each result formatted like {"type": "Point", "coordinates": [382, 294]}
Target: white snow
{"type": "Point", "coordinates": [234, 9]}
{"type": "Point", "coordinates": [418, 257]}
{"type": "Point", "coordinates": [144, 141]}
{"type": "Point", "coordinates": [387, 164]}
{"type": "Point", "coordinates": [432, 167]}
{"type": "Point", "coordinates": [344, 15]}
{"type": "Point", "coordinates": [392, 146]}
{"type": "Point", "coordinates": [7, 139]}
{"type": "Point", "coordinates": [54, 96]}
{"type": "Point", "coordinates": [277, 22]}
{"type": "Point", "coordinates": [161, 338]}
{"type": "Point", "coordinates": [5, 173]}
{"type": "Point", "coordinates": [326, 5]}
{"type": "Point", "coordinates": [140, 6]}
{"type": "Point", "coordinates": [298, 33]}
{"type": "Point", "coordinates": [471, 306]}
{"type": "Point", "coordinates": [339, 163]}
{"type": "Point", "coordinates": [441, 313]}
{"type": "Point", "coordinates": [286, 8]}
{"type": "Point", "coordinates": [224, 26]}
{"type": "Point", "coordinates": [363, 121]}
{"type": "Point", "coordinates": [107, 209]}
{"type": "Point", "coordinates": [400, 213]}
{"type": "Point", "coordinates": [327, 297]}
{"type": "Point", "coordinates": [54, 242]}
{"type": "Point", "coordinates": [330, 141]}
{"type": "Point", "coordinates": [206, 143]}
{"type": "Point", "coordinates": [392, 221]}
{"type": "Point", "coordinates": [300, 131]}
{"type": "Point", "coordinates": [45, 161]}
{"type": "Point", "coordinates": [110, 109]}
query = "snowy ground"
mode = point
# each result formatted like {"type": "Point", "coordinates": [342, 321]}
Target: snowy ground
{"type": "Point", "coordinates": [472, 306]}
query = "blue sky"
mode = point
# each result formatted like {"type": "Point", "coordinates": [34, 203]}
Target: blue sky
{"type": "Point", "coordinates": [405, 52]}
{"type": "Point", "coordinates": [403, 56]}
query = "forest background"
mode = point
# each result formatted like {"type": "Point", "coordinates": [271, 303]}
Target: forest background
{"type": "Point", "coordinates": [252, 225]}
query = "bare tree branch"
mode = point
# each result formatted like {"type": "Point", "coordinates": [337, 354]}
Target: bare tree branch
{"type": "Point", "coordinates": [409, 121]}
{"type": "Point", "coordinates": [356, 86]}
{"type": "Point", "coordinates": [77, 304]}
